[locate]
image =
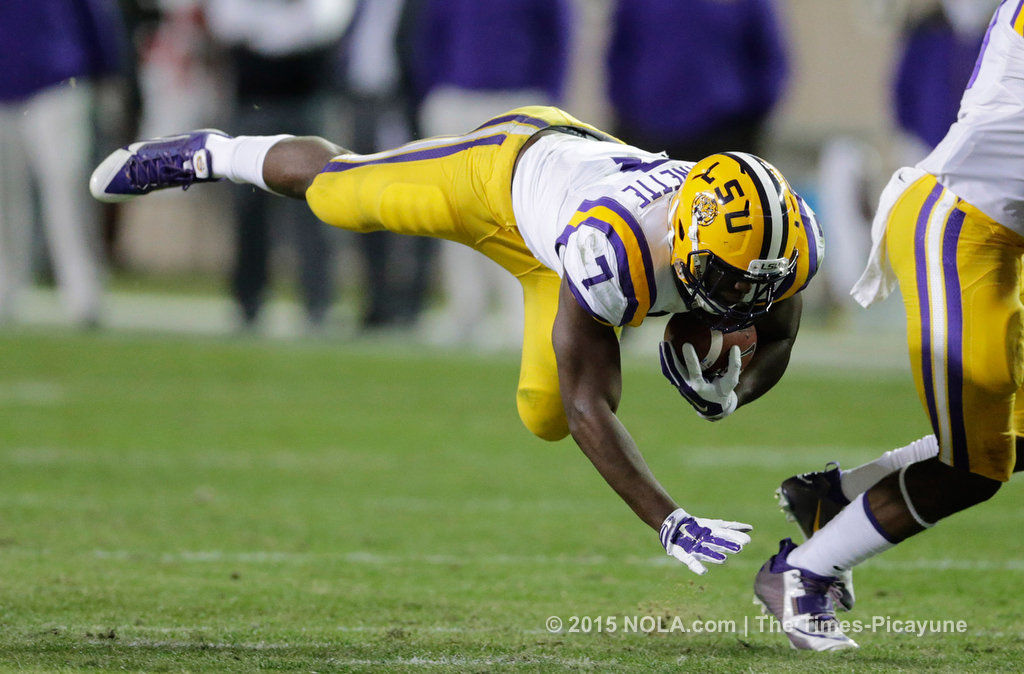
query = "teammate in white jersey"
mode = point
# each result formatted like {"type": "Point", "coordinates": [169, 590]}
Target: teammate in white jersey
{"type": "Point", "coordinates": [951, 232]}
{"type": "Point", "coordinates": [599, 234]}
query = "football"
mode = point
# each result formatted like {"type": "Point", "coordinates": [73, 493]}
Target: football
{"type": "Point", "coordinates": [712, 346]}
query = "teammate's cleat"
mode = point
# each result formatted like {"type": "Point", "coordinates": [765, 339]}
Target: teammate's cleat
{"type": "Point", "coordinates": [148, 165]}
{"type": "Point", "coordinates": [812, 500]}
{"type": "Point", "coordinates": [802, 603]}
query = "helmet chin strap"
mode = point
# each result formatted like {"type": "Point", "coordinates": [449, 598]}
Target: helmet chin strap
{"type": "Point", "coordinates": [693, 230]}
{"type": "Point", "coordinates": [703, 305]}
{"type": "Point", "coordinates": [692, 298]}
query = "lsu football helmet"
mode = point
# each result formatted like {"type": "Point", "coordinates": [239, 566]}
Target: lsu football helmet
{"type": "Point", "coordinates": [735, 227]}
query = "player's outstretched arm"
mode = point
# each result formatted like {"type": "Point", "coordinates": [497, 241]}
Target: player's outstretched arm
{"type": "Point", "coordinates": [590, 378]}
{"type": "Point", "coordinates": [776, 334]}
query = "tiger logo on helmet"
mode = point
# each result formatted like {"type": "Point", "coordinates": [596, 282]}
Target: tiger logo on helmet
{"type": "Point", "coordinates": [737, 238]}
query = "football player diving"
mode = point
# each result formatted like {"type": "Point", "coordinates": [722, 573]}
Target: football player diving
{"type": "Point", "coordinates": [950, 231]}
{"type": "Point", "coordinates": [600, 235]}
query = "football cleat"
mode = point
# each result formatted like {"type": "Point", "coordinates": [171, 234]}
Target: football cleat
{"type": "Point", "coordinates": [812, 500]}
{"type": "Point", "coordinates": [148, 165]}
{"type": "Point", "coordinates": [802, 603]}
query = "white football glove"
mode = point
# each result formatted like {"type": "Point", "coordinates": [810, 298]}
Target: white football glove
{"type": "Point", "coordinates": [693, 540]}
{"type": "Point", "coordinates": [713, 400]}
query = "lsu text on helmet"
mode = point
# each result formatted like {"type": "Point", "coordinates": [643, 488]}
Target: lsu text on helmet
{"type": "Point", "coordinates": [735, 225]}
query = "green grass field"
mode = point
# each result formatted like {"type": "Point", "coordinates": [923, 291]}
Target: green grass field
{"type": "Point", "coordinates": [179, 503]}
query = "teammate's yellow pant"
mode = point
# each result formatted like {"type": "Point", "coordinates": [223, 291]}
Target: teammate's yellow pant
{"type": "Point", "coordinates": [960, 276]}
{"type": "Point", "coordinates": [460, 188]}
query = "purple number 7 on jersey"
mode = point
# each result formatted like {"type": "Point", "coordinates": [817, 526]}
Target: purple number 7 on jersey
{"type": "Point", "coordinates": [606, 273]}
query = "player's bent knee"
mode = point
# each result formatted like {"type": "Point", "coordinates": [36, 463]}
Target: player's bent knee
{"type": "Point", "coordinates": [293, 163]}
{"type": "Point", "coordinates": [971, 490]}
{"type": "Point", "coordinates": [939, 490]}
{"type": "Point", "coordinates": [542, 414]}
{"type": "Point", "coordinates": [981, 487]}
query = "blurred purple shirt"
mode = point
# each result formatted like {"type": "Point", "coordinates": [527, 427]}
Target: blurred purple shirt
{"type": "Point", "coordinates": [490, 45]}
{"type": "Point", "coordinates": [677, 68]}
{"type": "Point", "coordinates": [45, 42]}
{"type": "Point", "coordinates": [933, 68]}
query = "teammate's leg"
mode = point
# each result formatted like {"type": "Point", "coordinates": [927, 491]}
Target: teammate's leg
{"type": "Point", "coordinates": [859, 479]}
{"type": "Point", "coordinates": [960, 279]}
{"type": "Point", "coordinates": [814, 499]}
{"type": "Point", "coordinates": [960, 276]}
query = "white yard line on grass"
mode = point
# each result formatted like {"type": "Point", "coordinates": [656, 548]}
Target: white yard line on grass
{"type": "Point", "coordinates": [31, 392]}
{"type": "Point", "coordinates": [736, 455]}
{"type": "Point", "coordinates": [415, 661]}
{"type": "Point", "coordinates": [199, 629]}
{"type": "Point", "coordinates": [379, 559]}
{"type": "Point", "coordinates": [869, 346]}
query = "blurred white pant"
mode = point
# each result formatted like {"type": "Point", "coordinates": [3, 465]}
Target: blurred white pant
{"type": "Point", "coordinates": [847, 197]}
{"type": "Point", "coordinates": [48, 137]}
{"type": "Point", "coordinates": [470, 281]}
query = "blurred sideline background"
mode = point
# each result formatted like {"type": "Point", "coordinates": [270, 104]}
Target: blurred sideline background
{"type": "Point", "coordinates": [175, 261]}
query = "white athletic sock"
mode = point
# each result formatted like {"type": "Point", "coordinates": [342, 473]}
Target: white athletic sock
{"type": "Point", "coordinates": [858, 480]}
{"type": "Point", "coordinates": [240, 159]}
{"type": "Point", "coordinates": [851, 537]}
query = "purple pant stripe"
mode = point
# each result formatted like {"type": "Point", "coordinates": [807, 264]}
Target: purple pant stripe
{"type": "Point", "coordinates": [955, 330]}
{"type": "Point", "coordinates": [416, 155]}
{"type": "Point", "coordinates": [874, 521]}
{"type": "Point", "coordinates": [921, 265]}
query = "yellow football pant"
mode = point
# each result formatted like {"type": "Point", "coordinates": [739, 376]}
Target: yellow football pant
{"type": "Point", "coordinates": [460, 188]}
{"type": "Point", "coordinates": [960, 276]}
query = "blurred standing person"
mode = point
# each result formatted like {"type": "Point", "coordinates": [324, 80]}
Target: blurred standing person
{"type": "Point", "coordinates": [54, 55]}
{"type": "Point", "coordinates": [694, 76]}
{"type": "Point", "coordinates": [280, 52]}
{"type": "Point", "coordinates": [475, 60]}
{"type": "Point", "coordinates": [935, 59]}
{"type": "Point", "coordinates": [374, 73]}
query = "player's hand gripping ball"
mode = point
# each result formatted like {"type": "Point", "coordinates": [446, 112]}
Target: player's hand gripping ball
{"type": "Point", "coordinates": [712, 346]}
{"type": "Point", "coordinates": [704, 364]}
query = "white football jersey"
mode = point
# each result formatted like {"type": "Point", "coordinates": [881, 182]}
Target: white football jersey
{"type": "Point", "coordinates": [981, 159]}
{"type": "Point", "coordinates": [596, 213]}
